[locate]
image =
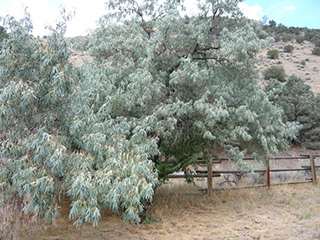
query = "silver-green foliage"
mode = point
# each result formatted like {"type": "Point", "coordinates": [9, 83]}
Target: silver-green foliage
{"type": "Point", "coordinates": [35, 96]}
{"type": "Point", "coordinates": [162, 91]}
{"type": "Point", "coordinates": [53, 141]}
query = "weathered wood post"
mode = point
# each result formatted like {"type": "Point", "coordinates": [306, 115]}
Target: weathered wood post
{"type": "Point", "coordinates": [209, 181]}
{"type": "Point", "coordinates": [313, 168]}
{"type": "Point", "coordinates": [268, 173]}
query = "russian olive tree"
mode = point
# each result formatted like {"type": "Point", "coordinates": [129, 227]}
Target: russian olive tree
{"type": "Point", "coordinates": [163, 90]}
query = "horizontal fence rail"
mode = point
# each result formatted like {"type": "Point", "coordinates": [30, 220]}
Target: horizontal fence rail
{"type": "Point", "coordinates": [209, 173]}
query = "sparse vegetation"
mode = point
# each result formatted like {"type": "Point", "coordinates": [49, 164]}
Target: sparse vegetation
{"type": "Point", "coordinates": [281, 32]}
{"type": "Point", "coordinates": [317, 43]}
{"type": "Point", "coordinates": [273, 53]}
{"type": "Point", "coordinates": [275, 72]}
{"type": "Point", "coordinates": [311, 35]}
{"type": "Point", "coordinates": [277, 38]}
{"type": "Point", "coordinates": [300, 39]}
{"type": "Point", "coordinates": [286, 38]}
{"type": "Point", "coordinates": [288, 48]}
{"type": "Point", "coordinates": [316, 51]}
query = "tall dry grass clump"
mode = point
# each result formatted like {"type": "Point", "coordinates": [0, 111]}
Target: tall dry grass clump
{"type": "Point", "coordinates": [10, 218]}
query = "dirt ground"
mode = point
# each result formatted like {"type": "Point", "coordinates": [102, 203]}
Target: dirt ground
{"type": "Point", "coordinates": [281, 212]}
{"type": "Point", "coordinates": [292, 62]}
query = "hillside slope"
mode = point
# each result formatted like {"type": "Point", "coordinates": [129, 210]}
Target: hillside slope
{"type": "Point", "coordinates": [293, 62]}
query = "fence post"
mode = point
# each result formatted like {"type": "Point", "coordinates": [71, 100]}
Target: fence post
{"type": "Point", "coordinates": [268, 173]}
{"type": "Point", "coordinates": [209, 170]}
{"type": "Point", "coordinates": [313, 168]}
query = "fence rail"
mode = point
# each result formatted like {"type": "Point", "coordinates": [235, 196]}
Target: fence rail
{"type": "Point", "coordinates": [209, 173]}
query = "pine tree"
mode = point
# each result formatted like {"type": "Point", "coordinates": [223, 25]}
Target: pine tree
{"type": "Point", "coordinates": [310, 133]}
{"type": "Point", "coordinates": [163, 90]}
{"type": "Point", "coordinates": [300, 105]}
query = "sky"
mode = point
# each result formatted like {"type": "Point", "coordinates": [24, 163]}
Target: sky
{"type": "Point", "coordinates": [291, 13]}
{"type": "Point", "coordinates": [46, 12]}
{"type": "Point", "coordinates": [296, 13]}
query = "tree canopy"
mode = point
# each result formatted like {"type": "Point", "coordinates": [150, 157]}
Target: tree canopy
{"type": "Point", "coordinates": [164, 89]}
{"type": "Point", "coordinates": [299, 104]}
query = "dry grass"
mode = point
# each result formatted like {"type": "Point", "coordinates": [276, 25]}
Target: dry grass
{"type": "Point", "coordinates": [281, 212]}
{"type": "Point", "coordinates": [10, 219]}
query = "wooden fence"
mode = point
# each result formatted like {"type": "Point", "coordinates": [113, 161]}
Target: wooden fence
{"type": "Point", "coordinates": [210, 173]}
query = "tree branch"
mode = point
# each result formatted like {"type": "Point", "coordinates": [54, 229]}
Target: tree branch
{"type": "Point", "coordinates": [171, 70]}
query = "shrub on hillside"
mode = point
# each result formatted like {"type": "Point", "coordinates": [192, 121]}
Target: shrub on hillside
{"type": "Point", "coordinates": [277, 38]}
{"type": "Point", "coordinates": [288, 48]}
{"type": "Point", "coordinates": [316, 51]}
{"type": "Point", "coordinates": [272, 23]}
{"type": "Point", "coordinates": [317, 43]}
{"type": "Point", "coordinates": [286, 37]}
{"type": "Point", "coordinates": [311, 132]}
{"type": "Point", "coordinates": [275, 72]}
{"type": "Point", "coordinates": [300, 39]}
{"type": "Point", "coordinates": [262, 35]}
{"type": "Point", "coordinates": [311, 35]}
{"type": "Point", "coordinates": [273, 53]}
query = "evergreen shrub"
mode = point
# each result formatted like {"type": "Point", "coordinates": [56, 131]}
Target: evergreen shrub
{"type": "Point", "coordinates": [299, 104]}
{"type": "Point", "coordinates": [288, 48]}
{"type": "Point", "coordinates": [310, 35]}
{"type": "Point", "coordinates": [277, 38]}
{"type": "Point", "coordinates": [316, 51]}
{"type": "Point", "coordinates": [300, 39]}
{"type": "Point", "coordinates": [286, 37]}
{"type": "Point", "coordinates": [317, 42]}
{"type": "Point", "coordinates": [273, 54]}
{"type": "Point", "coordinates": [275, 72]}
